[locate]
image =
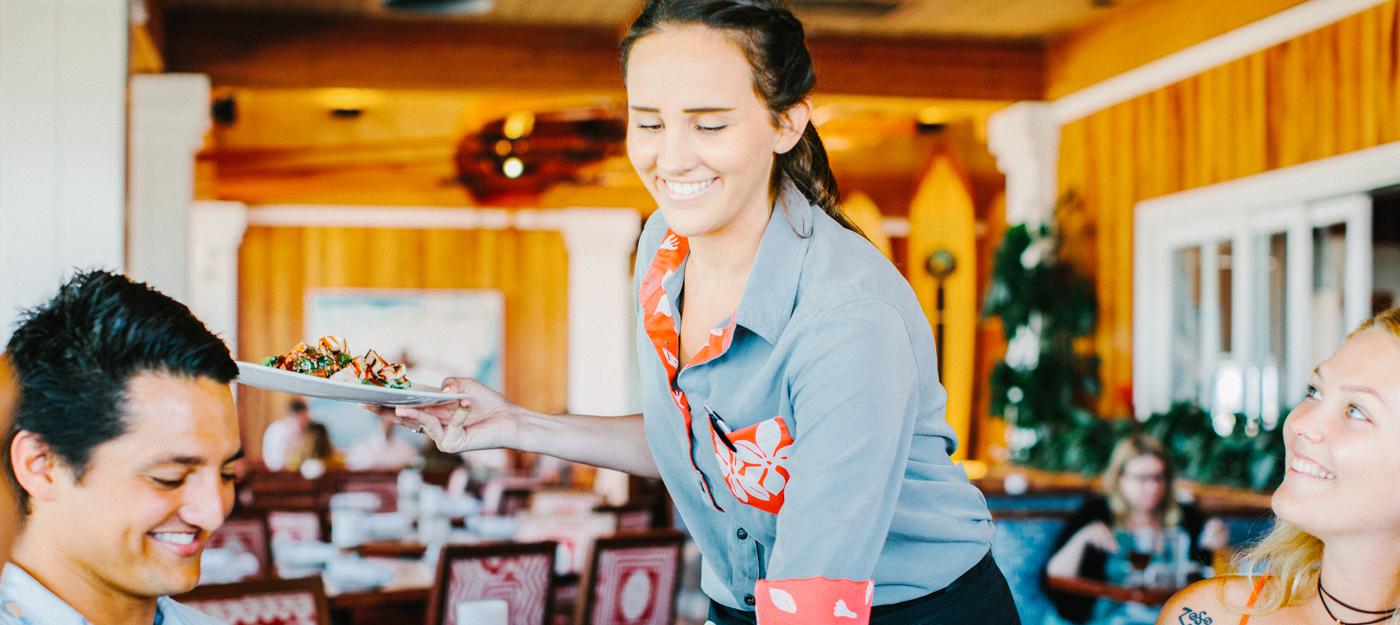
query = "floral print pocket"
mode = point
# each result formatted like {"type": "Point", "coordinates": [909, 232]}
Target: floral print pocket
{"type": "Point", "coordinates": [756, 472]}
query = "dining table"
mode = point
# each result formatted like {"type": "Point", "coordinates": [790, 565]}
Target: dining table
{"type": "Point", "coordinates": [1100, 589]}
{"type": "Point", "coordinates": [404, 599]}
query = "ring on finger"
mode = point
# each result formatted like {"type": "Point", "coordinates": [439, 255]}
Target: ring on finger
{"type": "Point", "coordinates": [420, 429]}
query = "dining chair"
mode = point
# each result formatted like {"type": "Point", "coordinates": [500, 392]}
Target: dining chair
{"type": "Point", "coordinates": [246, 533]}
{"type": "Point", "coordinates": [575, 536]}
{"type": "Point", "coordinates": [385, 484]}
{"type": "Point", "coordinates": [632, 579]}
{"type": "Point", "coordinates": [281, 489]}
{"type": "Point", "coordinates": [521, 574]}
{"type": "Point", "coordinates": [297, 525]}
{"type": "Point", "coordinates": [263, 602]}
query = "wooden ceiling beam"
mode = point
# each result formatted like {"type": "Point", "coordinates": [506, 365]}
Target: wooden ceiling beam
{"type": "Point", "coordinates": [271, 50]}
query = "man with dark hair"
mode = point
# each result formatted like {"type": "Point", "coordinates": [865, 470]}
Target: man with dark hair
{"type": "Point", "coordinates": [123, 451]}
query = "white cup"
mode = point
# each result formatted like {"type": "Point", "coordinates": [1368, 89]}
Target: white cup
{"type": "Point", "coordinates": [483, 612]}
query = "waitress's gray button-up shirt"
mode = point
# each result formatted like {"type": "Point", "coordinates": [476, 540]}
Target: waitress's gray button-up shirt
{"type": "Point", "coordinates": [830, 337]}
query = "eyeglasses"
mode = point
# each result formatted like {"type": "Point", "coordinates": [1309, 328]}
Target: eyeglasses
{"type": "Point", "coordinates": [1148, 478]}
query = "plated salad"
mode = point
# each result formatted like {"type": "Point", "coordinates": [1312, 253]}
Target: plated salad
{"type": "Point", "coordinates": [331, 359]}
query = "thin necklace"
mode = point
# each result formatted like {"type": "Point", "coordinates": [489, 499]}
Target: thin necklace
{"type": "Point", "coordinates": [1323, 595]}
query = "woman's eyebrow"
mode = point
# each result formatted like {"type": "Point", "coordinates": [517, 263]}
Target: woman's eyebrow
{"type": "Point", "coordinates": [694, 111]}
{"type": "Point", "coordinates": [1357, 388]}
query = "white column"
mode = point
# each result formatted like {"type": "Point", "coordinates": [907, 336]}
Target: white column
{"type": "Point", "coordinates": [1025, 138]}
{"type": "Point", "coordinates": [216, 231]}
{"type": "Point", "coordinates": [169, 116]}
{"type": "Point", "coordinates": [600, 242]}
{"type": "Point", "coordinates": [62, 145]}
{"type": "Point", "coordinates": [602, 345]}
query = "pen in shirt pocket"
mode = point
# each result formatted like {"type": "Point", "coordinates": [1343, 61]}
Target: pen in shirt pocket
{"type": "Point", "coordinates": [721, 428]}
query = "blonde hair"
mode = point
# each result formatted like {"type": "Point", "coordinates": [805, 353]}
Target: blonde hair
{"type": "Point", "coordinates": [1292, 558]}
{"type": "Point", "coordinates": [1168, 511]}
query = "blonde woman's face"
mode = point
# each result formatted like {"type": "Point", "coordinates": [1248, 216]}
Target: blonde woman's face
{"type": "Point", "coordinates": [1344, 444]}
{"type": "Point", "coordinates": [1143, 483]}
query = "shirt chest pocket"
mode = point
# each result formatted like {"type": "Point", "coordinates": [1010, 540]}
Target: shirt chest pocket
{"type": "Point", "coordinates": [756, 469]}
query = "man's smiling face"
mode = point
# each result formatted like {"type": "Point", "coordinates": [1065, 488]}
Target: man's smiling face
{"type": "Point", "coordinates": [137, 520]}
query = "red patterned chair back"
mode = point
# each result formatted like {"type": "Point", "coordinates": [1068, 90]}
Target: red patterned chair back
{"type": "Point", "coordinates": [632, 580]}
{"type": "Point", "coordinates": [382, 483]}
{"type": "Point", "coordinates": [520, 573]}
{"type": "Point", "coordinates": [297, 525]}
{"type": "Point", "coordinates": [247, 534]}
{"type": "Point", "coordinates": [263, 602]}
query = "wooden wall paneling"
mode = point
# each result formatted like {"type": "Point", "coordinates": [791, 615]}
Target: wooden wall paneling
{"type": "Point", "coordinates": [1325, 93]}
{"type": "Point", "coordinates": [1388, 65]}
{"type": "Point", "coordinates": [279, 265]}
{"type": "Point", "coordinates": [1100, 51]}
{"type": "Point", "coordinates": [988, 436]}
{"type": "Point", "coordinates": [1351, 88]}
{"type": "Point", "coordinates": [1329, 123]}
{"type": "Point", "coordinates": [254, 335]}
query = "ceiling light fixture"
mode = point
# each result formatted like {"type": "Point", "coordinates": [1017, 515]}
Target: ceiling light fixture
{"type": "Point", "coordinates": [513, 167]}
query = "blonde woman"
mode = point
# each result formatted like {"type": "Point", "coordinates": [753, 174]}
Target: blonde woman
{"type": "Point", "coordinates": [1138, 488]}
{"type": "Point", "coordinates": [1334, 553]}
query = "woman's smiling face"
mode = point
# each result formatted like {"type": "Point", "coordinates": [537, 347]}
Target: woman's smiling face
{"type": "Point", "coordinates": [1343, 466]}
{"type": "Point", "coordinates": [698, 135]}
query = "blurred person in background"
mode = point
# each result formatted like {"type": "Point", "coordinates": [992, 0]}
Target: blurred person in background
{"type": "Point", "coordinates": [123, 449]}
{"type": "Point", "coordinates": [381, 451]}
{"type": "Point", "coordinates": [283, 437]}
{"type": "Point", "coordinates": [1139, 487]}
{"type": "Point", "coordinates": [1333, 555]}
{"type": "Point", "coordinates": [315, 455]}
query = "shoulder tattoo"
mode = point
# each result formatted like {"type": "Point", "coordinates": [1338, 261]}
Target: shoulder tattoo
{"type": "Point", "coordinates": [1192, 617]}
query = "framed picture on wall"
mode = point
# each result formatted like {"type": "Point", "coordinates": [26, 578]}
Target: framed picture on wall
{"type": "Point", "coordinates": [437, 333]}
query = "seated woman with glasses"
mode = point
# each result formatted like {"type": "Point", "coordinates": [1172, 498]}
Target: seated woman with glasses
{"type": "Point", "coordinates": [1138, 500]}
{"type": "Point", "coordinates": [1333, 555]}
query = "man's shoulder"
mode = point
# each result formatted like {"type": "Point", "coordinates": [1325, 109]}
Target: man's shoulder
{"type": "Point", "coordinates": [173, 612]}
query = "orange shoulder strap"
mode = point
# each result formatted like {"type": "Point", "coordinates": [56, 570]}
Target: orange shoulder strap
{"type": "Point", "coordinates": [1258, 586]}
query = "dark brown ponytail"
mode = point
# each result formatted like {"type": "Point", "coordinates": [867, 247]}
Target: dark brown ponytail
{"type": "Point", "coordinates": [775, 45]}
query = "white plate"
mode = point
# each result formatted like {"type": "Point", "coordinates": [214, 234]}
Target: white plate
{"type": "Point", "coordinates": [274, 379]}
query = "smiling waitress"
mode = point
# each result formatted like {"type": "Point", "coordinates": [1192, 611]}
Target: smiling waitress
{"type": "Point", "coordinates": [789, 383]}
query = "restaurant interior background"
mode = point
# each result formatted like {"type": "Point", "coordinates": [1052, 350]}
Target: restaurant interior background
{"type": "Point", "coordinates": [1221, 177]}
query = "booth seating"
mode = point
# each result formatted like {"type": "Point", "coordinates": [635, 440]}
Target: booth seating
{"type": "Point", "coordinates": [263, 602]}
{"type": "Point", "coordinates": [1027, 525]}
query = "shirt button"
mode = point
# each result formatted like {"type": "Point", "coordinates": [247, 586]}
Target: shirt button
{"type": "Point", "coordinates": [741, 534]}
{"type": "Point", "coordinates": [749, 600]}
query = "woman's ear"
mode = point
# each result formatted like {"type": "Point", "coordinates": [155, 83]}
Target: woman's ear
{"type": "Point", "coordinates": [792, 123]}
{"type": "Point", "coordinates": [35, 465]}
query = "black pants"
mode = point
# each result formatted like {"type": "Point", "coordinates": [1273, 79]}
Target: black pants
{"type": "Point", "coordinates": [979, 597]}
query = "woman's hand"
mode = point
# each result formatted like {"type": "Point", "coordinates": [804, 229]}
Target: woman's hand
{"type": "Point", "coordinates": [1098, 535]}
{"type": "Point", "coordinates": [484, 420]}
{"type": "Point", "coordinates": [1066, 561]}
{"type": "Point", "coordinates": [1215, 535]}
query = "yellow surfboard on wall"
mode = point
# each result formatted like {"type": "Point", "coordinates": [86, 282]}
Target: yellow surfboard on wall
{"type": "Point", "coordinates": [941, 218]}
{"type": "Point", "coordinates": [866, 215]}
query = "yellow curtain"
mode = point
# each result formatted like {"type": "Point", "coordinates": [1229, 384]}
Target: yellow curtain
{"type": "Point", "coordinates": [1329, 92]}
{"type": "Point", "coordinates": [278, 265]}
